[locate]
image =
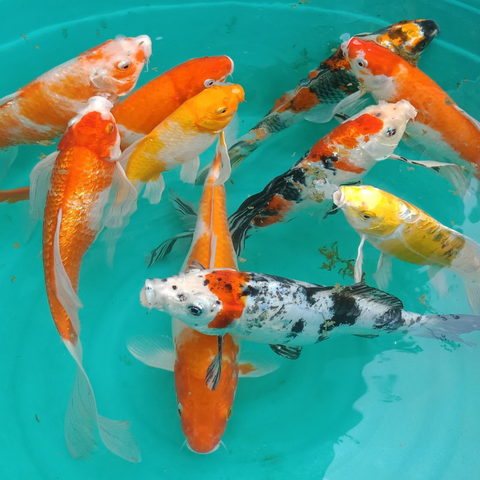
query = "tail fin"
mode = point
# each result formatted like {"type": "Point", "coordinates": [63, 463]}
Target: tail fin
{"type": "Point", "coordinates": [82, 420]}
{"type": "Point", "coordinates": [15, 195]}
{"type": "Point", "coordinates": [445, 327]}
{"type": "Point", "coordinates": [7, 156]}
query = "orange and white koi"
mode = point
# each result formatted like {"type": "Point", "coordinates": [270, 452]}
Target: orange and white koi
{"type": "Point", "coordinates": [152, 103]}
{"type": "Point", "coordinates": [316, 98]}
{"type": "Point", "coordinates": [79, 177]}
{"type": "Point", "coordinates": [181, 138]}
{"type": "Point", "coordinates": [441, 129]}
{"type": "Point", "coordinates": [345, 155]}
{"type": "Point", "coordinates": [203, 411]}
{"type": "Point", "coordinates": [401, 230]}
{"type": "Point", "coordinates": [41, 109]}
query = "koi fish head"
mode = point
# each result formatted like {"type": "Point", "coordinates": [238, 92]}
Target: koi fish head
{"type": "Point", "coordinates": [116, 64]}
{"type": "Point", "coordinates": [407, 38]}
{"type": "Point", "coordinates": [204, 413]}
{"type": "Point", "coordinates": [381, 127]}
{"type": "Point", "coordinates": [370, 210]}
{"type": "Point", "coordinates": [375, 66]}
{"type": "Point", "coordinates": [94, 128]}
{"type": "Point", "coordinates": [208, 71]}
{"type": "Point", "coordinates": [210, 301]}
{"type": "Point", "coordinates": [215, 106]}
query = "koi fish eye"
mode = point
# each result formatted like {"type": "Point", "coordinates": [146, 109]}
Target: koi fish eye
{"type": "Point", "coordinates": [195, 310]}
{"type": "Point", "coordinates": [367, 215]}
{"type": "Point", "coordinates": [124, 65]}
{"type": "Point", "coordinates": [109, 128]}
{"type": "Point", "coordinates": [221, 110]}
{"type": "Point", "coordinates": [362, 63]}
{"type": "Point", "coordinates": [179, 409]}
{"type": "Point", "coordinates": [229, 413]}
{"type": "Point", "coordinates": [390, 131]}
{"type": "Point", "coordinates": [209, 82]}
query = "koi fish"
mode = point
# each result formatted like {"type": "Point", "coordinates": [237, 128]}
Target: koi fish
{"type": "Point", "coordinates": [401, 230]}
{"type": "Point", "coordinates": [181, 138]}
{"type": "Point", "coordinates": [203, 411]}
{"type": "Point", "coordinates": [41, 109]}
{"type": "Point", "coordinates": [151, 104]}
{"type": "Point", "coordinates": [317, 96]}
{"type": "Point", "coordinates": [79, 177]}
{"type": "Point", "coordinates": [343, 156]}
{"type": "Point", "coordinates": [270, 309]}
{"type": "Point", "coordinates": [441, 129]}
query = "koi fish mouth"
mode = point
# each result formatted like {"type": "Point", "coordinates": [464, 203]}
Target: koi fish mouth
{"type": "Point", "coordinates": [338, 199]}
{"type": "Point", "coordinates": [214, 449]}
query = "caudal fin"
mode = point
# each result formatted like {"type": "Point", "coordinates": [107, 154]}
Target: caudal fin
{"type": "Point", "coordinates": [445, 327]}
{"type": "Point", "coordinates": [83, 423]}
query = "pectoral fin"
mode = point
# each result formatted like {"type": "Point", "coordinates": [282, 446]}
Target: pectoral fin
{"type": "Point", "coordinates": [325, 112]}
{"type": "Point", "coordinates": [383, 274]}
{"type": "Point", "coordinates": [438, 279]}
{"type": "Point", "coordinates": [292, 353]}
{"type": "Point", "coordinates": [189, 170]}
{"type": "Point", "coordinates": [155, 351]}
{"type": "Point", "coordinates": [473, 295]}
{"type": "Point", "coordinates": [226, 170]}
{"type": "Point", "coordinates": [359, 262]}
{"type": "Point", "coordinates": [40, 184]}
{"type": "Point", "coordinates": [154, 189]}
{"type": "Point", "coordinates": [255, 364]}
{"type": "Point", "coordinates": [214, 371]}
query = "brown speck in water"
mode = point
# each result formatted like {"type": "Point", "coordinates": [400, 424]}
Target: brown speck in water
{"type": "Point", "coordinates": [410, 169]}
{"type": "Point", "coordinates": [13, 279]}
{"type": "Point", "coordinates": [241, 259]}
{"type": "Point", "coordinates": [45, 143]}
{"type": "Point", "coordinates": [16, 245]}
{"type": "Point", "coordinates": [155, 69]}
{"type": "Point", "coordinates": [465, 80]}
{"type": "Point", "coordinates": [42, 156]}
{"type": "Point", "coordinates": [423, 301]}
{"type": "Point", "coordinates": [98, 33]}
{"type": "Point", "coordinates": [294, 153]}
{"type": "Point", "coordinates": [454, 192]}
{"type": "Point", "coordinates": [402, 444]}
{"type": "Point", "coordinates": [294, 6]}
{"type": "Point", "coordinates": [36, 418]}
{"type": "Point", "coordinates": [24, 37]}
{"type": "Point", "coordinates": [303, 2]}
{"type": "Point", "coordinates": [232, 182]}
{"type": "Point", "coordinates": [448, 101]}
{"type": "Point", "coordinates": [37, 47]}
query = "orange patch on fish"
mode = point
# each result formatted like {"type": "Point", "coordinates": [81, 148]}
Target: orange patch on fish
{"type": "Point", "coordinates": [274, 212]}
{"type": "Point", "coordinates": [228, 286]}
{"type": "Point", "coordinates": [246, 368]}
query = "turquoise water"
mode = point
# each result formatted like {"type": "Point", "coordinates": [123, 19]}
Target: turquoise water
{"type": "Point", "coordinates": [351, 408]}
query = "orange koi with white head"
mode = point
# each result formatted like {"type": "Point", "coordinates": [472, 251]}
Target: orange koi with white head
{"type": "Point", "coordinates": [77, 180]}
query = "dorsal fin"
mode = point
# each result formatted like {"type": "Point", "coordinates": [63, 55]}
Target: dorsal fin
{"type": "Point", "coordinates": [362, 290]}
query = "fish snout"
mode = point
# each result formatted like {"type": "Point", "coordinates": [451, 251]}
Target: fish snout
{"type": "Point", "coordinates": [339, 198]}
{"type": "Point", "coordinates": [430, 29]}
{"type": "Point", "coordinates": [200, 451]}
{"type": "Point", "coordinates": [145, 43]}
{"type": "Point", "coordinates": [149, 297]}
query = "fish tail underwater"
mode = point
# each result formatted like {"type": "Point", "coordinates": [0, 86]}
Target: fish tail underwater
{"type": "Point", "coordinates": [155, 157]}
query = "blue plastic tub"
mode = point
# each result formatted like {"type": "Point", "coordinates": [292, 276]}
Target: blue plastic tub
{"type": "Point", "coordinates": [351, 408]}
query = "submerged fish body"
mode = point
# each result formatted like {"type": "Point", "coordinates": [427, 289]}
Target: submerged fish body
{"type": "Point", "coordinates": [332, 82]}
{"type": "Point", "coordinates": [79, 177]}
{"type": "Point", "coordinates": [42, 109]}
{"type": "Point", "coordinates": [181, 138]}
{"type": "Point", "coordinates": [151, 104]}
{"type": "Point", "coordinates": [270, 309]}
{"type": "Point", "coordinates": [203, 410]}
{"type": "Point", "coordinates": [401, 230]}
{"type": "Point", "coordinates": [441, 129]}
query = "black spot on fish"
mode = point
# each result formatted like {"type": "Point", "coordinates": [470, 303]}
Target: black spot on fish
{"type": "Point", "coordinates": [206, 282]}
{"type": "Point", "coordinates": [182, 297]}
{"type": "Point", "coordinates": [345, 309]}
{"type": "Point", "coordinates": [228, 286]}
{"type": "Point", "coordinates": [174, 287]}
{"type": "Point", "coordinates": [390, 320]}
{"type": "Point", "coordinates": [298, 326]}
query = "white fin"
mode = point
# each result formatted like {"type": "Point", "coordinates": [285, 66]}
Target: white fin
{"type": "Point", "coordinates": [40, 184]}
{"type": "Point", "coordinates": [154, 189]}
{"type": "Point", "coordinates": [82, 418]}
{"type": "Point", "coordinates": [383, 274]}
{"type": "Point", "coordinates": [450, 171]}
{"type": "Point", "coordinates": [473, 295]}
{"type": "Point", "coordinates": [262, 363]}
{"type": "Point", "coordinates": [9, 98]}
{"type": "Point", "coordinates": [7, 157]}
{"type": "Point", "coordinates": [226, 170]}
{"type": "Point", "coordinates": [154, 350]}
{"type": "Point", "coordinates": [438, 279]}
{"type": "Point", "coordinates": [231, 131]}
{"type": "Point", "coordinates": [189, 170]}
{"type": "Point", "coordinates": [325, 112]}
{"type": "Point", "coordinates": [120, 210]}
{"type": "Point", "coordinates": [473, 120]}
{"type": "Point", "coordinates": [65, 292]}
{"type": "Point", "coordinates": [359, 261]}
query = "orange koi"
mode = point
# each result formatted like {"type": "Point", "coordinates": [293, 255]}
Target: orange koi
{"type": "Point", "coordinates": [441, 129]}
{"type": "Point", "coordinates": [79, 178]}
{"type": "Point", "coordinates": [151, 104]}
{"type": "Point", "coordinates": [204, 411]}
